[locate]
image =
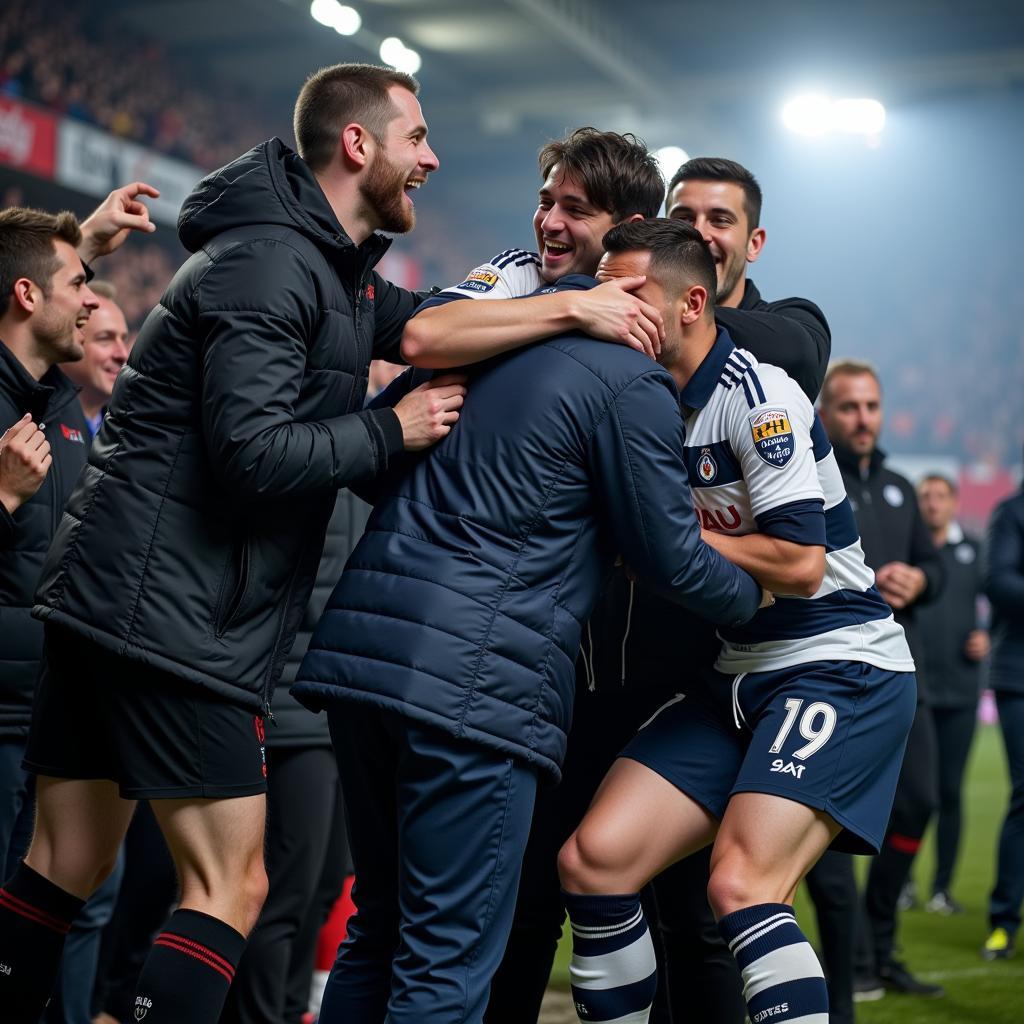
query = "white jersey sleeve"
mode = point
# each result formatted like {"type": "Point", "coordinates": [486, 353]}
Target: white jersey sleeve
{"type": "Point", "coordinates": [770, 432]}
{"type": "Point", "coordinates": [510, 275]}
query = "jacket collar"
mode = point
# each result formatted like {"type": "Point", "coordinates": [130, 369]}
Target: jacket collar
{"type": "Point", "coordinates": [850, 461]}
{"type": "Point", "coordinates": [751, 296]}
{"type": "Point", "coordinates": [42, 397]}
{"type": "Point", "coordinates": [700, 387]}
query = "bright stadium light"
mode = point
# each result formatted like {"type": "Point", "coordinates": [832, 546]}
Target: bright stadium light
{"type": "Point", "coordinates": [670, 159]}
{"type": "Point", "coordinates": [344, 20]}
{"type": "Point", "coordinates": [858, 117]}
{"type": "Point", "coordinates": [394, 52]}
{"type": "Point", "coordinates": [816, 114]}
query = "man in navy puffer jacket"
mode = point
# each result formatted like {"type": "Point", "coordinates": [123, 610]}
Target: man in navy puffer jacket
{"type": "Point", "coordinates": [446, 655]}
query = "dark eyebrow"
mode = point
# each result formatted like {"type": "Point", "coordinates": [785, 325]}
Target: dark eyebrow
{"type": "Point", "coordinates": [582, 200]}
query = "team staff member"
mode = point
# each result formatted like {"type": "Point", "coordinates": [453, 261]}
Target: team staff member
{"type": "Point", "coordinates": [908, 571]}
{"type": "Point", "coordinates": [1004, 585]}
{"type": "Point", "coordinates": [445, 657]}
{"type": "Point", "coordinates": [724, 761]}
{"type": "Point", "coordinates": [179, 572]}
{"type": "Point", "coordinates": [953, 647]}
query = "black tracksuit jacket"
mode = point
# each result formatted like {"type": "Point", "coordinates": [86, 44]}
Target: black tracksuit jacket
{"type": "Point", "coordinates": [892, 530]}
{"type": "Point", "coordinates": [1004, 584]}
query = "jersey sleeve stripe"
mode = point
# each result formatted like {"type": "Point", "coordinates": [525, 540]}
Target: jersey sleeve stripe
{"type": "Point", "coordinates": [802, 522]}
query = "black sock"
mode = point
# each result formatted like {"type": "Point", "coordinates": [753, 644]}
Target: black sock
{"type": "Point", "coordinates": [35, 918]}
{"type": "Point", "coordinates": [189, 970]}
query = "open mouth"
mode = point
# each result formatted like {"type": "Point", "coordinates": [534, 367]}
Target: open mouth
{"type": "Point", "coordinates": [412, 185]}
{"type": "Point", "coordinates": [556, 250]}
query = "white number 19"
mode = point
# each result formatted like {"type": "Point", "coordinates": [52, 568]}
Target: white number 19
{"type": "Point", "coordinates": [817, 732]}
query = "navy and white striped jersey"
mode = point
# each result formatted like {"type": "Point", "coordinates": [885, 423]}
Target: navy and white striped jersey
{"type": "Point", "coordinates": [759, 460]}
{"type": "Point", "coordinates": [510, 275]}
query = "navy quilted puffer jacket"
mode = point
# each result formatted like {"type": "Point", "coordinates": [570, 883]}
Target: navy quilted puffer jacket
{"type": "Point", "coordinates": [462, 606]}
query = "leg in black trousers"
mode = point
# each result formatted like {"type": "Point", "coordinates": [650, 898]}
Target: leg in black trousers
{"type": "Point", "coordinates": [1006, 898]}
{"type": "Point", "coordinates": [337, 867]}
{"type": "Point", "coordinates": [915, 802]}
{"type": "Point", "coordinates": [701, 977]}
{"type": "Point", "coordinates": [833, 889]}
{"type": "Point", "coordinates": [954, 732]}
{"type": "Point", "coordinates": [300, 807]}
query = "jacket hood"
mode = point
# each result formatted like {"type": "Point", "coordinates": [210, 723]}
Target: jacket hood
{"type": "Point", "coordinates": [268, 185]}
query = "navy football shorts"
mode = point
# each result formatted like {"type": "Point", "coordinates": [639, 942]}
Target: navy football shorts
{"type": "Point", "coordinates": [828, 734]}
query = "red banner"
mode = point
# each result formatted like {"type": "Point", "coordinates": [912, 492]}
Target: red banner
{"type": "Point", "coordinates": [28, 138]}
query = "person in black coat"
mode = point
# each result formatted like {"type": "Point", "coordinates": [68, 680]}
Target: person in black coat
{"type": "Point", "coordinates": [183, 562]}
{"type": "Point", "coordinates": [953, 646]}
{"type": "Point", "coordinates": [451, 687]}
{"type": "Point", "coordinates": [1004, 585]}
{"type": "Point", "coordinates": [44, 303]}
{"type": "Point", "coordinates": [909, 575]}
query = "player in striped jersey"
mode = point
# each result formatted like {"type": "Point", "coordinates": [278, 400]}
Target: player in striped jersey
{"type": "Point", "coordinates": [795, 741]}
{"type": "Point", "coordinates": [591, 181]}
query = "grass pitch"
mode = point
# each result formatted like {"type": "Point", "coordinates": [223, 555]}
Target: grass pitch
{"type": "Point", "coordinates": [944, 949]}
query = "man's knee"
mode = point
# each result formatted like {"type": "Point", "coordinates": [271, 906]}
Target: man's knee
{"type": "Point", "coordinates": [584, 865]}
{"type": "Point", "coordinates": [736, 883]}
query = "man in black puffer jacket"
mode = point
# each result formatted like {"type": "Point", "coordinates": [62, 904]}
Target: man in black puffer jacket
{"type": "Point", "coordinates": [446, 655]}
{"type": "Point", "coordinates": [179, 573]}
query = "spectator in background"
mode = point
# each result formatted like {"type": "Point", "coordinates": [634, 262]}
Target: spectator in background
{"type": "Point", "coordinates": [908, 573]}
{"type": "Point", "coordinates": [106, 351]}
{"type": "Point", "coordinates": [953, 647]}
{"type": "Point", "coordinates": [1004, 585]}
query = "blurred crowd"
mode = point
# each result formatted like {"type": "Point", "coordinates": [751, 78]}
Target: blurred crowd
{"type": "Point", "coordinates": [56, 56]}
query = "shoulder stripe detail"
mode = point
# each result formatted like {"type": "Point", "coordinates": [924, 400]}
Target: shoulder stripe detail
{"type": "Point", "coordinates": [757, 386]}
{"type": "Point", "coordinates": [503, 259]}
{"type": "Point", "coordinates": [747, 392]}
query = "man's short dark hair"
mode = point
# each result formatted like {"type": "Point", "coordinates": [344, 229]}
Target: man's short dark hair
{"type": "Point", "coordinates": [338, 95]}
{"type": "Point", "coordinates": [679, 255]}
{"type": "Point", "coordinates": [940, 478]}
{"type": "Point", "coordinates": [717, 168]}
{"type": "Point", "coordinates": [618, 173]}
{"type": "Point", "coordinates": [27, 239]}
{"type": "Point", "coordinates": [846, 368]}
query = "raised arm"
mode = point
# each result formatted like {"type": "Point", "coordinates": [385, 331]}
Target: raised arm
{"type": "Point", "coordinates": [446, 333]}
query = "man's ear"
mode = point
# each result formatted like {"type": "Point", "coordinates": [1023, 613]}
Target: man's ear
{"type": "Point", "coordinates": [755, 244]}
{"type": "Point", "coordinates": [695, 303]}
{"type": "Point", "coordinates": [355, 146]}
{"type": "Point", "coordinates": [25, 295]}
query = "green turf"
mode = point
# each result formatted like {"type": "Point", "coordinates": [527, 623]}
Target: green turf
{"type": "Point", "coordinates": [945, 949]}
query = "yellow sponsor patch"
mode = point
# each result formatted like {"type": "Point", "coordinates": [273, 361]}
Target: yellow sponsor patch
{"type": "Point", "coordinates": [773, 436]}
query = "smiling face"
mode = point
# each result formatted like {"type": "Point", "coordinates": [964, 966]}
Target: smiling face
{"type": "Point", "coordinates": [569, 228]}
{"type": "Point", "coordinates": [399, 166]}
{"type": "Point", "coordinates": [59, 322]}
{"type": "Point", "coordinates": [717, 210]}
{"type": "Point", "coordinates": [106, 351]}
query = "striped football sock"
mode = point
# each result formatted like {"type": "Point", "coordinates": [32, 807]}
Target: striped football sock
{"type": "Point", "coordinates": [613, 971]}
{"type": "Point", "coordinates": [782, 979]}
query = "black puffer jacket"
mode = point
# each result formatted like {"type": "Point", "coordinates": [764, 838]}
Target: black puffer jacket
{"type": "Point", "coordinates": [25, 536]}
{"type": "Point", "coordinates": [193, 538]}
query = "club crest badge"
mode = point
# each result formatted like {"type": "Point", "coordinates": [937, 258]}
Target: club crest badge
{"type": "Point", "coordinates": [480, 281]}
{"type": "Point", "coordinates": [773, 436]}
{"type": "Point", "coordinates": [143, 1004]}
{"type": "Point", "coordinates": [707, 468]}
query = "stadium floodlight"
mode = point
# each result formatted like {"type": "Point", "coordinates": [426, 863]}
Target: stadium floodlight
{"type": "Point", "coordinates": [817, 114]}
{"type": "Point", "coordinates": [344, 20]}
{"type": "Point", "coordinates": [394, 52]}
{"type": "Point", "coordinates": [670, 159]}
